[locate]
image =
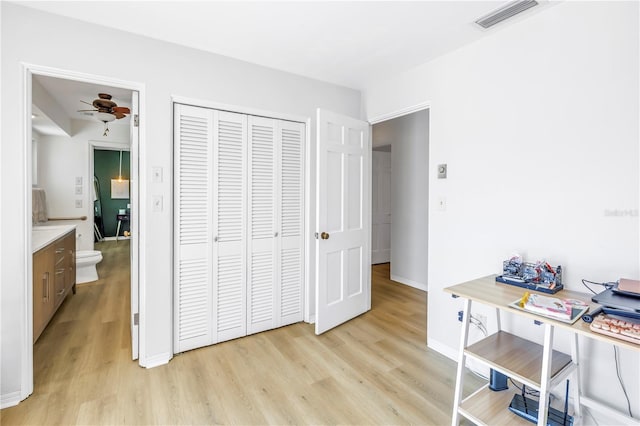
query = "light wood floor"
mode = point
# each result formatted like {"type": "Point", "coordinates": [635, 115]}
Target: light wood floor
{"type": "Point", "coordinates": [375, 369]}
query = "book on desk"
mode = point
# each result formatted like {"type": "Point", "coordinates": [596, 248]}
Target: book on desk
{"type": "Point", "coordinates": [565, 310]}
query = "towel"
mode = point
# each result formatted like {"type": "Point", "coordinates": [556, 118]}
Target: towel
{"type": "Point", "coordinates": [38, 206]}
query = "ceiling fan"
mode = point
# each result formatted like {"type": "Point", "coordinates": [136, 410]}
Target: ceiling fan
{"type": "Point", "coordinates": [106, 110]}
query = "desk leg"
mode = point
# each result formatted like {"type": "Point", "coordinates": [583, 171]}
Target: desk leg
{"type": "Point", "coordinates": [545, 375]}
{"type": "Point", "coordinates": [464, 335]}
{"type": "Point", "coordinates": [576, 390]}
{"type": "Point", "coordinates": [118, 230]}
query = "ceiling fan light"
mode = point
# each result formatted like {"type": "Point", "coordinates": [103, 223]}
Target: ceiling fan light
{"type": "Point", "coordinates": [105, 116]}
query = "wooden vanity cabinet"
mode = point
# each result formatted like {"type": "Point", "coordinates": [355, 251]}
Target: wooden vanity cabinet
{"type": "Point", "coordinates": [42, 289]}
{"type": "Point", "coordinates": [70, 260]}
{"type": "Point", "coordinates": [54, 276]}
{"type": "Point", "coordinates": [59, 272]}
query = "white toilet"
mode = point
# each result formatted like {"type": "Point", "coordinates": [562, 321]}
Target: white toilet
{"type": "Point", "coordinates": [86, 261]}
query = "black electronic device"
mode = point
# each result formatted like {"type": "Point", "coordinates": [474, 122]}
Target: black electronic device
{"type": "Point", "coordinates": [527, 408]}
{"type": "Point", "coordinates": [611, 299]}
{"type": "Point", "coordinates": [497, 381]}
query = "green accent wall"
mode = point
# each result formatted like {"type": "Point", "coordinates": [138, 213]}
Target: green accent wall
{"type": "Point", "coordinates": [106, 164]}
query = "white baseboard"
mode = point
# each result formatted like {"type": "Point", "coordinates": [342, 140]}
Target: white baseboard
{"type": "Point", "coordinates": [410, 283]}
{"type": "Point", "coordinates": [442, 349]}
{"type": "Point", "coordinates": [9, 399]}
{"type": "Point", "coordinates": [157, 360]}
{"type": "Point", "coordinates": [312, 319]}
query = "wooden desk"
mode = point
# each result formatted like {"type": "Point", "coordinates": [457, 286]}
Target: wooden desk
{"type": "Point", "coordinates": [538, 366]}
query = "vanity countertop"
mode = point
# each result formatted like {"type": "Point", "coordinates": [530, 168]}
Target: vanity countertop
{"type": "Point", "coordinates": [41, 236]}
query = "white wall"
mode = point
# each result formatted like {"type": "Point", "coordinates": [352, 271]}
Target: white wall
{"type": "Point", "coordinates": [62, 159]}
{"type": "Point", "coordinates": [538, 123]}
{"type": "Point", "coordinates": [50, 107]}
{"type": "Point", "coordinates": [165, 69]}
{"type": "Point", "coordinates": [409, 139]}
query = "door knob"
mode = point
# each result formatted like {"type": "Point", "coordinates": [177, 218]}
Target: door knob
{"type": "Point", "coordinates": [324, 236]}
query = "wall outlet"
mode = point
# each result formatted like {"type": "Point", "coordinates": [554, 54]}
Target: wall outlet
{"type": "Point", "coordinates": [460, 316]}
{"type": "Point", "coordinates": [442, 204]}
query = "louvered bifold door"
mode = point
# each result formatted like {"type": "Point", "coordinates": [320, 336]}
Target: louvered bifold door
{"type": "Point", "coordinates": [291, 138]}
{"type": "Point", "coordinates": [229, 192]}
{"type": "Point", "coordinates": [193, 146]}
{"type": "Point", "coordinates": [263, 234]}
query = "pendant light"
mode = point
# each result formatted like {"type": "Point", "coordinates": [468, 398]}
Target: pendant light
{"type": "Point", "coordinates": [120, 169]}
{"type": "Point", "coordinates": [119, 186]}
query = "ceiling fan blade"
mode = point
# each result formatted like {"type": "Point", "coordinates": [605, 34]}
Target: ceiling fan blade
{"type": "Point", "coordinates": [123, 110]}
{"type": "Point", "coordinates": [87, 110]}
{"type": "Point", "coordinates": [119, 115]}
{"type": "Point", "coordinates": [88, 103]}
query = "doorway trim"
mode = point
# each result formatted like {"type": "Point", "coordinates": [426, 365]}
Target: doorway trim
{"type": "Point", "coordinates": [400, 112]}
{"type": "Point", "coordinates": [137, 247]}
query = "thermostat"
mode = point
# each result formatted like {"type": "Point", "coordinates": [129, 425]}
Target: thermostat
{"type": "Point", "coordinates": [442, 171]}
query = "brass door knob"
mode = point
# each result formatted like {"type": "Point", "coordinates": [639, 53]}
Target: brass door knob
{"type": "Point", "coordinates": [324, 236]}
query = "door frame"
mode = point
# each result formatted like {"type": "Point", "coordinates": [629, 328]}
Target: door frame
{"type": "Point", "coordinates": [137, 246]}
{"type": "Point", "coordinates": [309, 218]}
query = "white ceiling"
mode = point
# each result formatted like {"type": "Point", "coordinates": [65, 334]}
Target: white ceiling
{"type": "Point", "coordinates": [349, 43]}
{"type": "Point", "coordinates": [69, 94]}
{"type": "Point", "coordinates": [346, 43]}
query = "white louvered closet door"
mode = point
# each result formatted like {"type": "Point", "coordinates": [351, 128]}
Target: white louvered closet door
{"type": "Point", "coordinates": [238, 224]}
{"type": "Point", "coordinates": [230, 218]}
{"type": "Point", "coordinates": [193, 146]}
{"type": "Point", "coordinates": [263, 234]}
{"type": "Point", "coordinates": [291, 137]}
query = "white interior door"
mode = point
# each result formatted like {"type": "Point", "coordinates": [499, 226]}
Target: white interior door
{"type": "Point", "coordinates": [135, 183]}
{"type": "Point", "coordinates": [263, 235]}
{"type": "Point", "coordinates": [193, 228]}
{"type": "Point", "coordinates": [343, 285]}
{"type": "Point", "coordinates": [230, 219]}
{"type": "Point", "coordinates": [381, 206]}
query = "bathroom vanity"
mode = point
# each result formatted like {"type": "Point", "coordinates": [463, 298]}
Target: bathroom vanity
{"type": "Point", "coordinates": [54, 271]}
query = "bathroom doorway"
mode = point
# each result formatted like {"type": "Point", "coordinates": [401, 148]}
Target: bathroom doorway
{"type": "Point", "coordinates": [55, 91]}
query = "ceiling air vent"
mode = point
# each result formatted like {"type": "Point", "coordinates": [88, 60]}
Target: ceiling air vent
{"type": "Point", "coordinates": [505, 12]}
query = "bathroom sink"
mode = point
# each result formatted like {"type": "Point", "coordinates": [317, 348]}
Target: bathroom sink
{"type": "Point", "coordinates": [41, 236]}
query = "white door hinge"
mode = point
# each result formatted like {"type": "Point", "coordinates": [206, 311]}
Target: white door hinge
{"type": "Point", "coordinates": [136, 318]}
{"type": "Point", "coordinates": [135, 120]}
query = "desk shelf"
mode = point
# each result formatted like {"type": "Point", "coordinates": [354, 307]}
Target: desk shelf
{"type": "Point", "coordinates": [537, 366]}
{"type": "Point", "coordinates": [516, 357]}
{"type": "Point", "coordinates": [486, 407]}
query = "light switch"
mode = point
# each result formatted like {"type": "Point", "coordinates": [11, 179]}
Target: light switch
{"type": "Point", "coordinates": [156, 173]}
{"type": "Point", "coordinates": [78, 189]}
{"type": "Point", "coordinates": [157, 203]}
{"type": "Point", "coordinates": [78, 204]}
{"type": "Point", "coordinates": [78, 180]}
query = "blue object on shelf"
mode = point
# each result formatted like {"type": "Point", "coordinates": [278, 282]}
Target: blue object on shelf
{"type": "Point", "coordinates": [528, 285]}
